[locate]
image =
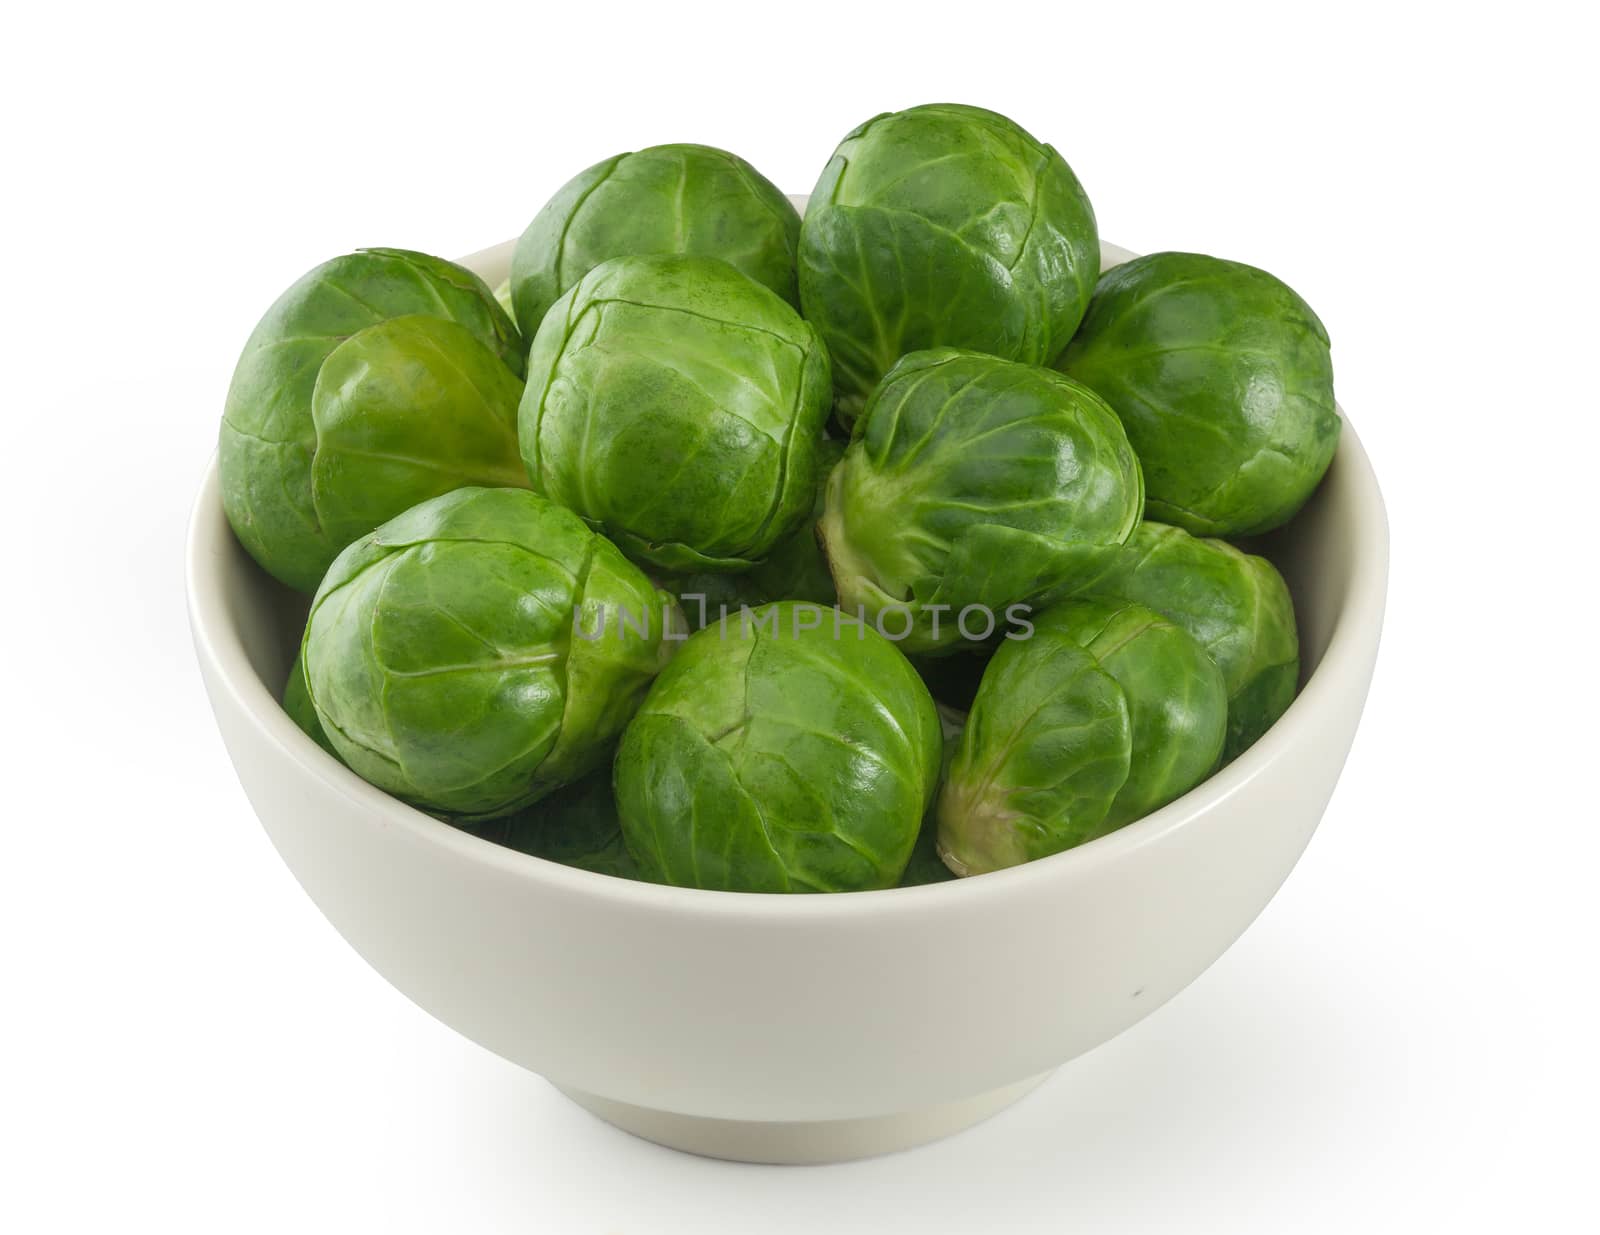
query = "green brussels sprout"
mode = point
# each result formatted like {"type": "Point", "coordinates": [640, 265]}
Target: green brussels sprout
{"type": "Point", "coordinates": [407, 410]}
{"type": "Point", "coordinates": [1235, 604]}
{"type": "Point", "coordinates": [297, 703]}
{"type": "Point", "coordinates": [794, 570]}
{"type": "Point", "coordinates": [975, 482]}
{"type": "Point", "coordinates": [482, 649]}
{"type": "Point", "coordinates": [667, 199]}
{"type": "Point", "coordinates": [1222, 377]}
{"type": "Point", "coordinates": [677, 406]}
{"type": "Point", "coordinates": [1107, 712]}
{"type": "Point", "coordinates": [329, 429]}
{"type": "Point", "coordinates": [938, 226]}
{"type": "Point", "coordinates": [789, 752]}
{"type": "Point", "coordinates": [576, 825]}
{"type": "Point", "coordinates": [502, 295]}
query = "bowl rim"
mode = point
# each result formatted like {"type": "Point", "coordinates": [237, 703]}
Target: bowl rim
{"type": "Point", "coordinates": [1356, 625]}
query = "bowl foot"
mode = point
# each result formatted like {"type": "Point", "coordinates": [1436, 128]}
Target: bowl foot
{"type": "Point", "coordinates": [800, 1144]}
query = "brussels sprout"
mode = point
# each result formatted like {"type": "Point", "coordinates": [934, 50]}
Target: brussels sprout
{"type": "Point", "coordinates": [794, 570]}
{"type": "Point", "coordinates": [481, 649]}
{"type": "Point", "coordinates": [943, 225]}
{"type": "Point", "coordinates": [667, 199]}
{"type": "Point", "coordinates": [1108, 712]}
{"type": "Point", "coordinates": [310, 460]}
{"type": "Point", "coordinates": [297, 703]}
{"type": "Point", "coordinates": [502, 295]}
{"type": "Point", "coordinates": [576, 826]}
{"type": "Point", "coordinates": [678, 406]}
{"type": "Point", "coordinates": [407, 410]}
{"type": "Point", "coordinates": [1222, 378]}
{"type": "Point", "coordinates": [1235, 604]}
{"type": "Point", "coordinates": [975, 482]}
{"type": "Point", "coordinates": [787, 753]}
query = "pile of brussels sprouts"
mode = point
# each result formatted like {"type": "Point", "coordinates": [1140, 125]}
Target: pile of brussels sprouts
{"type": "Point", "coordinates": [948, 512]}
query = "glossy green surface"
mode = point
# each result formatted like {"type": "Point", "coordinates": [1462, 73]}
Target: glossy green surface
{"type": "Point", "coordinates": [677, 405]}
{"type": "Point", "coordinates": [407, 410]}
{"type": "Point", "coordinates": [291, 506]}
{"type": "Point", "coordinates": [1108, 712]}
{"type": "Point", "coordinates": [502, 295]}
{"type": "Point", "coordinates": [777, 759]}
{"type": "Point", "coordinates": [1221, 375]}
{"type": "Point", "coordinates": [976, 481]}
{"type": "Point", "coordinates": [666, 199]}
{"type": "Point", "coordinates": [442, 660]}
{"type": "Point", "coordinates": [943, 225]}
{"type": "Point", "coordinates": [1235, 604]}
{"type": "Point", "coordinates": [795, 569]}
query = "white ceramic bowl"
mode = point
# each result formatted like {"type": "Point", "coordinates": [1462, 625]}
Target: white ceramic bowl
{"type": "Point", "coordinates": [798, 1028]}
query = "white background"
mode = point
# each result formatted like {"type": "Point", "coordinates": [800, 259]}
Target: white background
{"type": "Point", "coordinates": [1405, 1040]}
